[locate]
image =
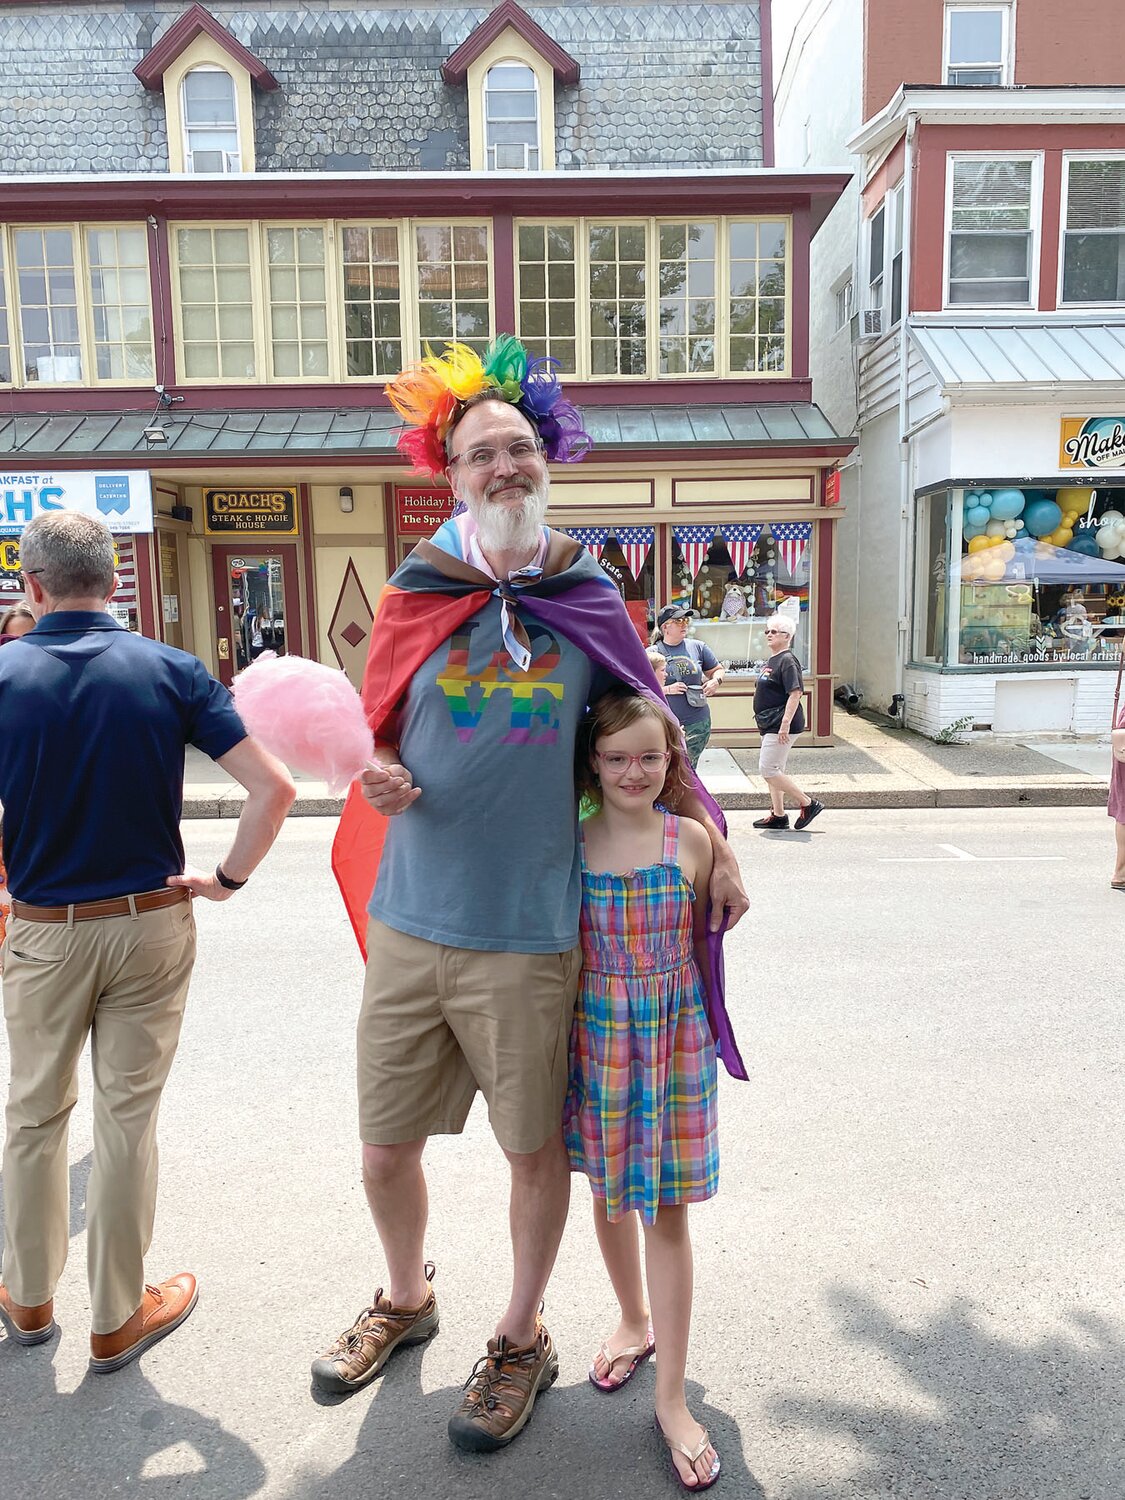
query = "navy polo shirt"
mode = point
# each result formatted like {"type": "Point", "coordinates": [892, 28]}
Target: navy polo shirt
{"type": "Point", "coordinates": [93, 725]}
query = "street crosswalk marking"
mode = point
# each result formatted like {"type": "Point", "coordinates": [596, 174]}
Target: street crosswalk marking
{"type": "Point", "coordinates": [954, 855]}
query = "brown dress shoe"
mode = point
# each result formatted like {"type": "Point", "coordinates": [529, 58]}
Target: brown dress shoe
{"type": "Point", "coordinates": [501, 1392]}
{"type": "Point", "coordinates": [27, 1325]}
{"type": "Point", "coordinates": [361, 1351]}
{"type": "Point", "coordinates": [162, 1309]}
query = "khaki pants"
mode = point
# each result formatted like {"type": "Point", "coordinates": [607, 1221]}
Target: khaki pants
{"type": "Point", "coordinates": [124, 981]}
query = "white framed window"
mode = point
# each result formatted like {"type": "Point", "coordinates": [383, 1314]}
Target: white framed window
{"type": "Point", "coordinates": [297, 268]}
{"type": "Point", "coordinates": [370, 267]}
{"type": "Point", "coordinates": [661, 297]}
{"type": "Point", "coordinates": [210, 117]}
{"type": "Point", "coordinates": [215, 301]}
{"type": "Point", "coordinates": [120, 303]}
{"type": "Point", "coordinates": [897, 234]}
{"type": "Point", "coordinates": [978, 47]}
{"type": "Point", "coordinates": [5, 324]}
{"type": "Point", "coordinates": [843, 298]}
{"type": "Point", "coordinates": [687, 282]}
{"type": "Point", "coordinates": [876, 258]}
{"type": "Point", "coordinates": [547, 307]}
{"type": "Point", "coordinates": [1092, 260]}
{"type": "Point", "coordinates": [992, 247]}
{"type": "Point", "coordinates": [511, 118]}
{"type": "Point", "coordinates": [617, 283]}
{"type": "Point", "coordinates": [453, 270]}
{"type": "Point", "coordinates": [47, 283]}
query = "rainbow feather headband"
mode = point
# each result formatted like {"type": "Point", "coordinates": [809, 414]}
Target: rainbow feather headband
{"type": "Point", "coordinates": [431, 395]}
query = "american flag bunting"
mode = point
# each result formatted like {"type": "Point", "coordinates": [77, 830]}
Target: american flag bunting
{"type": "Point", "coordinates": [791, 539]}
{"type": "Point", "coordinates": [593, 538]}
{"type": "Point", "coordinates": [634, 542]}
{"type": "Point", "coordinates": [741, 539]}
{"type": "Point", "coordinates": [694, 542]}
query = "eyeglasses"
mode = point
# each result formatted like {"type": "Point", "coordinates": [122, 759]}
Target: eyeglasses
{"type": "Point", "coordinates": [650, 762]}
{"type": "Point", "coordinates": [777, 632]}
{"type": "Point", "coordinates": [522, 451]}
{"type": "Point", "coordinates": [26, 573]}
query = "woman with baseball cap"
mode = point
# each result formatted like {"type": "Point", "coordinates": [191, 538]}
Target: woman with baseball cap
{"type": "Point", "coordinates": [692, 677]}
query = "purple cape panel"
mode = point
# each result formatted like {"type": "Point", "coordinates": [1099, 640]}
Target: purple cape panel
{"type": "Point", "coordinates": [592, 617]}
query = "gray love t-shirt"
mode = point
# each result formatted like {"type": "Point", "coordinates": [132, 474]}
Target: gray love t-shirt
{"type": "Point", "coordinates": [487, 856]}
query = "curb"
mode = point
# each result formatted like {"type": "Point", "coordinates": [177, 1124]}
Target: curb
{"type": "Point", "coordinates": [1005, 794]}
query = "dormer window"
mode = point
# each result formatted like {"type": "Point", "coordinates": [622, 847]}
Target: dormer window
{"type": "Point", "coordinates": [208, 79]}
{"type": "Point", "coordinates": [511, 118]}
{"type": "Point", "coordinates": [510, 66]}
{"type": "Point", "coordinates": [210, 118]}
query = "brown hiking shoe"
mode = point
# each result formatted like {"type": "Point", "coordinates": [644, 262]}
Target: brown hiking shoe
{"type": "Point", "coordinates": [501, 1391]}
{"type": "Point", "coordinates": [360, 1353]}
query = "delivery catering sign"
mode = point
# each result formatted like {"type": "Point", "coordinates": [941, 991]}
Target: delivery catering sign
{"type": "Point", "coordinates": [419, 511]}
{"type": "Point", "coordinates": [1092, 443]}
{"type": "Point", "coordinates": [123, 501]}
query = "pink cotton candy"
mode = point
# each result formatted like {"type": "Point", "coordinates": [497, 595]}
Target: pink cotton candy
{"type": "Point", "coordinates": [306, 714]}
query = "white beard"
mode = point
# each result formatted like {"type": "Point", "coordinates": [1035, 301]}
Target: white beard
{"type": "Point", "coordinates": [504, 528]}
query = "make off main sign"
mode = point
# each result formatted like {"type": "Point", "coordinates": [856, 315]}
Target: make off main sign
{"type": "Point", "coordinates": [419, 511]}
{"type": "Point", "coordinates": [122, 501]}
{"type": "Point", "coordinates": [246, 512]}
{"type": "Point", "coordinates": [1092, 443]}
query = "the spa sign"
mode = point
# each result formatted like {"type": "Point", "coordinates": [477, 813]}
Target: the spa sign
{"type": "Point", "coordinates": [420, 511]}
{"type": "Point", "coordinates": [123, 501]}
{"type": "Point", "coordinates": [262, 512]}
{"type": "Point", "coordinates": [1092, 443]}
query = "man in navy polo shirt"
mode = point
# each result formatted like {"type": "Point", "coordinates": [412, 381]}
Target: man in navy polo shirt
{"type": "Point", "coordinates": [102, 937]}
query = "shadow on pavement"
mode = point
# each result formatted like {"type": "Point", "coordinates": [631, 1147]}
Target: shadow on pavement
{"type": "Point", "coordinates": [113, 1435]}
{"type": "Point", "coordinates": [979, 1415]}
{"type": "Point", "coordinates": [578, 1443]}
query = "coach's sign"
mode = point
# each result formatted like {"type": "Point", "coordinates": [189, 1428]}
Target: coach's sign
{"type": "Point", "coordinates": [244, 512]}
{"type": "Point", "coordinates": [123, 501]}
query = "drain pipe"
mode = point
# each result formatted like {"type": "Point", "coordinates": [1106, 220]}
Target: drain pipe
{"type": "Point", "coordinates": [906, 494]}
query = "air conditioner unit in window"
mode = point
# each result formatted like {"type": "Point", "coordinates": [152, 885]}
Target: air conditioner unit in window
{"type": "Point", "coordinates": [512, 157]}
{"type": "Point", "coordinates": [867, 325]}
{"type": "Point", "coordinates": [213, 161]}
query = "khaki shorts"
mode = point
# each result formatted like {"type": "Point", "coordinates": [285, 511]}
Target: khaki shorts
{"type": "Point", "coordinates": [773, 755]}
{"type": "Point", "coordinates": [439, 1023]}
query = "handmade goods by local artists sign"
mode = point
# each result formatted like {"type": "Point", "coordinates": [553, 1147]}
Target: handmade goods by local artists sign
{"type": "Point", "coordinates": [1092, 443]}
{"type": "Point", "coordinates": [419, 511]}
{"type": "Point", "coordinates": [265, 512]}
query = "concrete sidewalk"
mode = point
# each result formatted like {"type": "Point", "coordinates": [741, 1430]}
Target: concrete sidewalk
{"type": "Point", "coordinates": [871, 766]}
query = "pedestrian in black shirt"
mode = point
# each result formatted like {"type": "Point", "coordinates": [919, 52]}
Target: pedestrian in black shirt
{"type": "Point", "coordinates": [780, 717]}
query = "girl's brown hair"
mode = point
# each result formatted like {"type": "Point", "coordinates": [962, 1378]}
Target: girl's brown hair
{"type": "Point", "coordinates": [617, 710]}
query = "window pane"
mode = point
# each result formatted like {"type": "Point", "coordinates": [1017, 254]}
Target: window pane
{"type": "Point", "coordinates": [975, 36]}
{"type": "Point", "coordinates": [216, 302]}
{"type": "Point", "coordinates": [1096, 195]}
{"type": "Point", "coordinates": [48, 305]}
{"type": "Point", "coordinates": [1094, 268]}
{"type": "Point", "coordinates": [120, 304]}
{"type": "Point", "coordinates": [990, 244]}
{"type": "Point", "coordinates": [687, 291]}
{"type": "Point", "coordinates": [298, 307]}
{"type": "Point", "coordinates": [370, 273]}
{"type": "Point", "coordinates": [5, 334]}
{"type": "Point", "coordinates": [982, 255]}
{"type": "Point", "coordinates": [618, 285]}
{"type": "Point", "coordinates": [511, 119]}
{"type": "Point", "coordinates": [208, 97]}
{"type": "Point", "coordinates": [756, 311]}
{"type": "Point", "coordinates": [452, 263]}
{"type": "Point", "coordinates": [992, 194]}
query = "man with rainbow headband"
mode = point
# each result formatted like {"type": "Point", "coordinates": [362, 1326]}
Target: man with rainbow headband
{"type": "Point", "coordinates": [489, 641]}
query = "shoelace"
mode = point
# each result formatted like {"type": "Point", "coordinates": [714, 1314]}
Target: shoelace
{"type": "Point", "coordinates": [488, 1372]}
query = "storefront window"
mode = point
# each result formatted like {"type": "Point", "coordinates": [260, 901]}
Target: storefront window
{"type": "Point", "coordinates": [1038, 579]}
{"type": "Point", "coordinates": [735, 577]}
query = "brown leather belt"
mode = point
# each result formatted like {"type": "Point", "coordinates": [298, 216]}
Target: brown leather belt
{"type": "Point", "coordinates": [90, 911]}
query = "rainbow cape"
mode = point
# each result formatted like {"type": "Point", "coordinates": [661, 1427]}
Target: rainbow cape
{"type": "Point", "coordinates": [428, 597]}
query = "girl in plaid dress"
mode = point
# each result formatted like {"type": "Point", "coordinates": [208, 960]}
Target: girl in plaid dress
{"type": "Point", "coordinates": [640, 1114]}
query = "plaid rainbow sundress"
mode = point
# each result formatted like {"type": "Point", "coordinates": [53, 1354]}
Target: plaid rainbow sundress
{"type": "Point", "coordinates": [640, 1116]}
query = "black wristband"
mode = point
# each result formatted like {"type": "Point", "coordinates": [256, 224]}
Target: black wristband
{"type": "Point", "coordinates": [226, 882]}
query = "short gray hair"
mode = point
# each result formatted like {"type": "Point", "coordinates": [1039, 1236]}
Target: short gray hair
{"type": "Point", "coordinates": [783, 622]}
{"type": "Point", "coordinates": [70, 553]}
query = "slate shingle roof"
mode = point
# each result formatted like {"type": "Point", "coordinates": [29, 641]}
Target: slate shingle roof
{"type": "Point", "coordinates": [361, 87]}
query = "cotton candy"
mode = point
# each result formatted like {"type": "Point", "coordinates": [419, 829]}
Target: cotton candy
{"type": "Point", "coordinates": [306, 714]}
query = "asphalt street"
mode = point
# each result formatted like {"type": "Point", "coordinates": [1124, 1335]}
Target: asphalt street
{"type": "Point", "coordinates": [910, 1284]}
